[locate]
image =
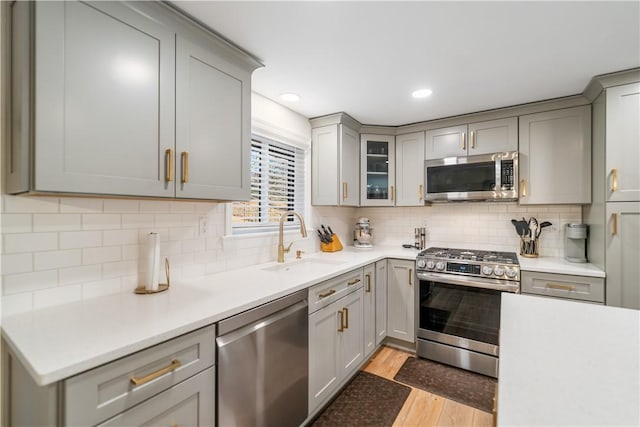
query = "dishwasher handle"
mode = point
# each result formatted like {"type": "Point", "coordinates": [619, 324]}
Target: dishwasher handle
{"type": "Point", "coordinates": [259, 324]}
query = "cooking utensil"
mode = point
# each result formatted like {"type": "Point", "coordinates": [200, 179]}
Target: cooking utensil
{"type": "Point", "coordinates": [522, 227]}
{"type": "Point", "coordinates": [542, 225]}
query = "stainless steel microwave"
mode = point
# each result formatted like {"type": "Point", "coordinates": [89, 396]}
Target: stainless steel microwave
{"type": "Point", "coordinates": [482, 177]}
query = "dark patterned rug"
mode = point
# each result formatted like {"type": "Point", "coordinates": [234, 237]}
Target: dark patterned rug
{"type": "Point", "coordinates": [368, 400]}
{"type": "Point", "coordinates": [456, 384]}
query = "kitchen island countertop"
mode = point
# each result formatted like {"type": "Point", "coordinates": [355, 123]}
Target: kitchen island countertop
{"type": "Point", "coordinates": [567, 363]}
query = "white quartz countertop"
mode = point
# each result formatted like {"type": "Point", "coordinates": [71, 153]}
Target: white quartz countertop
{"type": "Point", "coordinates": [559, 266]}
{"type": "Point", "coordinates": [61, 341]}
{"type": "Point", "coordinates": [568, 363]}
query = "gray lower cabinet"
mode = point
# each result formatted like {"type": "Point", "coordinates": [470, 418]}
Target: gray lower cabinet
{"type": "Point", "coordinates": [105, 102]}
{"type": "Point", "coordinates": [381, 301]}
{"type": "Point", "coordinates": [400, 299]}
{"type": "Point", "coordinates": [582, 288]}
{"type": "Point", "coordinates": [172, 382]}
{"type": "Point", "coordinates": [622, 237]}
{"type": "Point", "coordinates": [369, 308]}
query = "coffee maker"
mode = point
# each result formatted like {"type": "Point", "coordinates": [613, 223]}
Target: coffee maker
{"type": "Point", "coordinates": [575, 242]}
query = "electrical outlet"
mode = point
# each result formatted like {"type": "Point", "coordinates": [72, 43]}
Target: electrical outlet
{"type": "Point", "coordinates": [202, 226]}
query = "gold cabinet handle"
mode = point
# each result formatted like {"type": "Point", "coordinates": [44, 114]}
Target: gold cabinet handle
{"type": "Point", "coordinates": [345, 189]}
{"type": "Point", "coordinates": [523, 188]}
{"type": "Point", "coordinates": [326, 294]}
{"type": "Point", "coordinates": [473, 139]}
{"type": "Point", "coordinates": [368, 287]}
{"type": "Point", "coordinates": [353, 282]}
{"type": "Point", "coordinates": [561, 287]}
{"type": "Point", "coordinates": [614, 220]}
{"type": "Point", "coordinates": [464, 141]}
{"type": "Point", "coordinates": [346, 316]}
{"type": "Point", "coordinates": [393, 193]}
{"type": "Point", "coordinates": [185, 166]}
{"type": "Point", "coordinates": [169, 164]}
{"type": "Point", "coordinates": [341, 316]}
{"type": "Point", "coordinates": [420, 192]}
{"type": "Point", "coordinates": [175, 364]}
{"type": "Point", "coordinates": [614, 180]}
{"type": "Point", "coordinates": [410, 277]}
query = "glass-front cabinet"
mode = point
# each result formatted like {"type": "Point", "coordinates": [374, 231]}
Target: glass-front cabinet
{"type": "Point", "coordinates": [377, 163]}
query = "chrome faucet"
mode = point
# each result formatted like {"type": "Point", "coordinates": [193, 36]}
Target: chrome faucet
{"type": "Point", "coordinates": [281, 249]}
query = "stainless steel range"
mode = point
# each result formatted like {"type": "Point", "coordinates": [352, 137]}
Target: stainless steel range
{"type": "Point", "coordinates": [458, 301]}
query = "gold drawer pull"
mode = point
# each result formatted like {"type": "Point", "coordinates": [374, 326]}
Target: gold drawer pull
{"type": "Point", "coordinates": [346, 315]}
{"type": "Point", "coordinates": [561, 287]}
{"type": "Point", "coordinates": [353, 282]}
{"type": "Point", "coordinates": [420, 192]}
{"type": "Point", "coordinates": [523, 188]}
{"type": "Point", "coordinates": [410, 276]}
{"type": "Point", "coordinates": [175, 364]}
{"type": "Point", "coordinates": [464, 141]}
{"type": "Point", "coordinates": [473, 139]}
{"type": "Point", "coordinates": [169, 164]}
{"type": "Point", "coordinates": [185, 166]}
{"type": "Point", "coordinates": [345, 188]}
{"type": "Point", "coordinates": [368, 287]}
{"type": "Point", "coordinates": [341, 316]}
{"type": "Point", "coordinates": [614, 180]}
{"type": "Point", "coordinates": [326, 294]}
{"type": "Point", "coordinates": [614, 219]}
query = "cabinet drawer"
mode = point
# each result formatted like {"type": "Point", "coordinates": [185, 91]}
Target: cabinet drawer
{"type": "Point", "coordinates": [325, 293]}
{"type": "Point", "coordinates": [189, 403]}
{"type": "Point", "coordinates": [563, 286]}
{"type": "Point", "coordinates": [101, 393]}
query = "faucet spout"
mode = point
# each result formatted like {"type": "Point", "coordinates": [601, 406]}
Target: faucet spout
{"type": "Point", "coordinates": [303, 231]}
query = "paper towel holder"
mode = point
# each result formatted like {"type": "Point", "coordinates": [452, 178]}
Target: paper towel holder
{"type": "Point", "coordinates": [141, 290]}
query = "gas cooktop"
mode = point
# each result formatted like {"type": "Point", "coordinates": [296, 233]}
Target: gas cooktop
{"type": "Point", "coordinates": [471, 255]}
{"type": "Point", "coordinates": [468, 262]}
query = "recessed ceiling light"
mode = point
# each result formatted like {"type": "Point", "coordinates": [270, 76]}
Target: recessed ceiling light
{"type": "Point", "coordinates": [291, 97]}
{"type": "Point", "coordinates": [421, 93]}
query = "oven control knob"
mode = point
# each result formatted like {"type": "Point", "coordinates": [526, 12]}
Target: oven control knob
{"type": "Point", "coordinates": [511, 273]}
{"type": "Point", "coordinates": [487, 270]}
{"type": "Point", "coordinates": [498, 271]}
{"type": "Point", "coordinates": [440, 265]}
{"type": "Point", "coordinates": [421, 263]}
{"type": "Point", "coordinates": [431, 264]}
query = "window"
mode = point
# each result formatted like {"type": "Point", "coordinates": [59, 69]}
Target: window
{"type": "Point", "coordinates": [277, 185]}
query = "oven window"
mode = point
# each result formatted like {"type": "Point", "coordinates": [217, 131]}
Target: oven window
{"type": "Point", "coordinates": [462, 311]}
{"type": "Point", "coordinates": [461, 178]}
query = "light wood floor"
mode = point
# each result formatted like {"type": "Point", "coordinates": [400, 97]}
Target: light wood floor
{"type": "Point", "coordinates": [422, 408]}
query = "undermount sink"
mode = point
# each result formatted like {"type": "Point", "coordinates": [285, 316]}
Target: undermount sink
{"type": "Point", "coordinates": [300, 264]}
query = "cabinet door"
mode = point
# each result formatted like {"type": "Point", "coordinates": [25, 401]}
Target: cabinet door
{"type": "Point", "coordinates": [377, 154]}
{"type": "Point", "coordinates": [213, 110]}
{"type": "Point", "coordinates": [623, 143]}
{"type": "Point", "coordinates": [104, 109]}
{"type": "Point", "coordinates": [349, 167]}
{"type": "Point", "coordinates": [370, 295]}
{"type": "Point", "coordinates": [555, 157]}
{"type": "Point", "coordinates": [622, 255]}
{"type": "Point", "coordinates": [446, 142]}
{"type": "Point", "coordinates": [324, 369]}
{"type": "Point", "coordinates": [400, 298]}
{"type": "Point", "coordinates": [493, 136]}
{"type": "Point", "coordinates": [324, 166]}
{"type": "Point", "coordinates": [190, 403]}
{"type": "Point", "coordinates": [410, 169]}
{"type": "Point", "coordinates": [351, 347]}
{"type": "Point", "coordinates": [381, 301]}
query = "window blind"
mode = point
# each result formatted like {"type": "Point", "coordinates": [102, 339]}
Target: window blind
{"type": "Point", "coordinates": [277, 185]}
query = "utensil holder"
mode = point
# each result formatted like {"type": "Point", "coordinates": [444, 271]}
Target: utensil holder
{"type": "Point", "coordinates": [529, 247]}
{"type": "Point", "coordinates": [334, 246]}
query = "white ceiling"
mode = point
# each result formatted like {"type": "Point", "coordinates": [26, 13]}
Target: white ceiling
{"type": "Point", "coordinates": [365, 58]}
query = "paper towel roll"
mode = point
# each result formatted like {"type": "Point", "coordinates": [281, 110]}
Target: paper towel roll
{"type": "Point", "coordinates": [152, 273]}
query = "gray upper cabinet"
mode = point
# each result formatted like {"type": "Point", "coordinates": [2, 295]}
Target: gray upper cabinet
{"type": "Point", "coordinates": [335, 166]}
{"type": "Point", "coordinates": [622, 240]}
{"type": "Point", "coordinates": [623, 143]}
{"type": "Point", "coordinates": [110, 111]}
{"type": "Point", "coordinates": [410, 169]}
{"type": "Point", "coordinates": [555, 157]}
{"type": "Point", "coordinates": [486, 137]}
{"type": "Point", "coordinates": [213, 119]}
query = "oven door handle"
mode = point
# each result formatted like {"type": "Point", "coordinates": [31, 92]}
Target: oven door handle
{"type": "Point", "coordinates": [452, 279]}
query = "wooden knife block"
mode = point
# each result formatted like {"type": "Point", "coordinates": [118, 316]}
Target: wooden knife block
{"type": "Point", "coordinates": [334, 246]}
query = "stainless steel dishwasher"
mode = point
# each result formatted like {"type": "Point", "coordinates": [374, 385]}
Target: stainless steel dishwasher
{"type": "Point", "coordinates": [263, 365]}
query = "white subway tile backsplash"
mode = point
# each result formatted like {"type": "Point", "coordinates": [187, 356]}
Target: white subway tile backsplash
{"type": "Point", "coordinates": [117, 205]}
{"type": "Point", "coordinates": [17, 263]}
{"type": "Point", "coordinates": [30, 242]}
{"type": "Point", "coordinates": [100, 288]}
{"type": "Point", "coordinates": [168, 220]}
{"type": "Point", "coordinates": [57, 296]}
{"type": "Point", "coordinates": [119, 237]}
{"type": "Point", "coordinates": [56, 222]}
{"type": "Point", "coordinates": [57, 259]}
{"type": "Point", "coordinates": [17, 303]}
{"type": "Point", "coordinates": [101, 221]}
{"type": "Point", "coordinates": [182, 207]}
{"type": "Point", "coordinates": [80, 239]}
{"type": "Point", "coordinates": [101, 255]}
{"type": "Point", "coordinates": [136, 221]}
{"type": "Point", "coordinates": [182, 233]}
{"type": "Point", "coordinates": [16, 223]}
{"type": "Point", "coordinates": [28, 282]}
{"type": "Point", "coordinates": [119, 269]}
{"type": "Point", "coordinates": [80, 274]}
{"type": "Point", "coordinates": [26, 204]}
{"type": "Point", "coordinates": [88, 205]}
{"type": "Point", "coordinates": [154, 206]}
